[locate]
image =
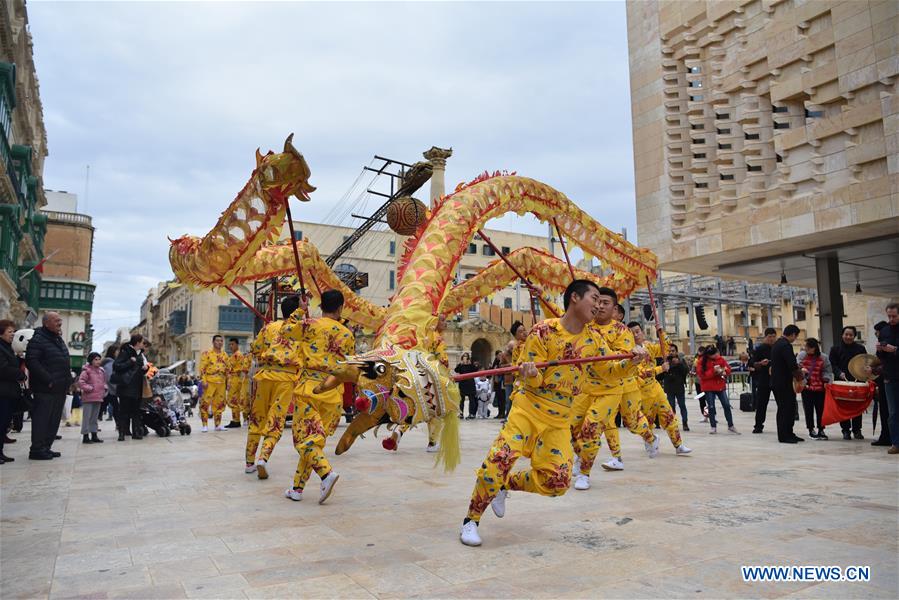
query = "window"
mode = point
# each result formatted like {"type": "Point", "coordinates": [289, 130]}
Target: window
{"type": "Point", "coordinates": [780, 109]}
{"type": "Point", "coordinates": [699, 155]}
{"type": "Point", "coordinates": [701, 185]}
{"type": "Point", "coordinates": [392, 250]}
{"type": "Point", "coordinates": [695, 84]}
{"type": "Point", "coordinates": [695, 126]}
{"type": "Point", "coordinates": [487, 251]}
{"type": "Point", "coordinates": [799, 314]}
{"type": "Point", "coordinates": [695, 98]}
{"type": "Point", "coordinates": [472, 248]}
{"type": "Point", "coordinates": [722, 116]}
{"type": "Point", "coordinates": [781, 125]}
{"type": "Point", "coordinates": [813, 114]}
{"type": "Point", "coordinates": [698, 140]}
{"type": "Point", "coordinates": [724, 131]}
{"type": "Point", "coordinates": [727, 177]}
{"type": "Point", "coordinates": [751, 136]}
{"type": "Point", "coordinates": [468, 276]}
{"type": "Point", "coordinates": [505, 250]}
{"type": "Point", "coordinates": [694, 70]}
{"type": "Point", "coordinates": [298, 235]}
{"type": "Point", "coordinates": [392, 282]}
{"type": "Point", "coordinates": [753, 168]}
{"type": "Point", "coordinates": [507, 303]}
{"type": "Point", "coordinates": [725, 146]}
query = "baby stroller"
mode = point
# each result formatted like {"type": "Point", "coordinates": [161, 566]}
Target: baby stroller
{"type": "Point", "coordinates": [164, 412]}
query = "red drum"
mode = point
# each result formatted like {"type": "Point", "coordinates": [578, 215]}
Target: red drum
{"type": "Point", "coordinates": [856, 391]}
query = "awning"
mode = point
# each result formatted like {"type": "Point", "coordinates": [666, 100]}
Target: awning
{"type": "Point", "coordinates": [173, 366]}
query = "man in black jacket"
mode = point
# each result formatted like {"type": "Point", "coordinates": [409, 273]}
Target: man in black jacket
{"type": "Point", "coordinates": [840, 355]}
{"type": "Point", "coordinates": [759, 370]}
{"type": "Point", "coordinates": [466, 387]}
{"type": "Point", "coordinates": [50, 376]}
{"type": "Point", "coordinates": [674, 382]}
{"type": "Point", "coordinates": [128, 375]}
{"type": "Point", "coordinates": [888, 352]}
{"type": "Point", "coordinates": [783, 371]}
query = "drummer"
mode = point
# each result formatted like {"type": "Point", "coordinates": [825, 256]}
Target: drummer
{"type": "Point", "coordinates": [840, 355]}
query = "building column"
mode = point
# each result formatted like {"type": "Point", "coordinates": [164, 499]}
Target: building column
{"type": "Point", "coordinates": [830, 301]}
{"type": "Point", "coordinates": [437, 157]}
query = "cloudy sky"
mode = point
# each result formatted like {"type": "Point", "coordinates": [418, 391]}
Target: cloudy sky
{"type": "Point", "coordinates": [167, 103]}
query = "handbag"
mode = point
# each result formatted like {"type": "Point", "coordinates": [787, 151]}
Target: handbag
{"type": "Point", "coordinates": [25, 400]}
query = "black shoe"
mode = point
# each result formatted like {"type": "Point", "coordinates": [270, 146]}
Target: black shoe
{"type": "Point", "coordinates": [137, 437]}
{"type": "Point", "coordinates": [6, 459]}
{"type": "Point", "coordinates": [858, 435]}
{"type": "Point", "coordinates": [55, 454]}
{"type": "Point", "coordinates": [86, 439]}
{"type": "Point", "coordinates": [822, 435]}
{"type": "Point", "coordinates": [469, 417]}
{"type": "Point", "coordinates": [847, 435]}
{"type": "Point", "coordinates": [686, 427]}
{"type": "Point", "coordinates": [881, 443]}
{"type": "Point", "coordinates": [121, 437]}
{"type": "Point", "coordinates": [233, 425]}
{"type": "Point", "coordinates": [8, 440]}
{"type": "Point", "coordinates": [798, 439]}
{"type": "Point", "coordinates": [40, 456]}
{"type": "Point", "coordinates": [59, 437]}
{"type": "Point", "coordinates": [95, 439]}
{"type": "Point", "coordinates": [756, 430]}
{"type": "Point", "coordinates": [792, 441]}
{"type": "Point", "coordinates": [812, 434]}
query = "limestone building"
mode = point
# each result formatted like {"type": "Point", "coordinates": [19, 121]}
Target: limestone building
{"type": "Point", "coordinates": [765, 141]}
{"type": "Point", "coordinates": [66, 285]}
{"type": "Point", "coordinates": [23, 147]}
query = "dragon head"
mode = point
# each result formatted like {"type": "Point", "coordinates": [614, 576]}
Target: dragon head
{"type": "Point", "coordinates": [401, 386]}
{"type": "Point", "coordinates": [287, 172]}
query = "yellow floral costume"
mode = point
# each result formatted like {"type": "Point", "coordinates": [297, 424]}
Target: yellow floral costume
{"type": "Point", "coordinates": [278, 363]}
{"type": "Point", "coordinates": [654, 401]}
{"type": "Point", "coordinates": [537, 425]}
{"type": "Point", "coordinates": [323, 343]}
{"type": "Point", "coordinates": [213, 370]}
{"type": "Point", "coordinates": [238, 386]}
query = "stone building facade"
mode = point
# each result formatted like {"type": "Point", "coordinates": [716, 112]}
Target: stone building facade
{"type": "Point", "coordinates": [763, 127]}
{"type": "Point", "coordinates": [23, 148]}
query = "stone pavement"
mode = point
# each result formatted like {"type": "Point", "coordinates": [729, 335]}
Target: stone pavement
{"type": "Point", "coordinates": [177, 517]}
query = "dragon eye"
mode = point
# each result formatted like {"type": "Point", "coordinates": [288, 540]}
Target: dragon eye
{"type": "Point", "coordinates": [380, 368]}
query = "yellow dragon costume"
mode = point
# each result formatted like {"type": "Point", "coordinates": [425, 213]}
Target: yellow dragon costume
{"type": "Point", "coordinates": [400, 380]}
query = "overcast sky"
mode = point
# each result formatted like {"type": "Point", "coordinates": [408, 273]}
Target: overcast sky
{"type": "Point", "coordinates": [167, 103]}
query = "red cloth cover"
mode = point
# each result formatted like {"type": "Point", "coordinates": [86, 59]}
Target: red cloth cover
{"type": "Point", "coordinates": [836, 411]}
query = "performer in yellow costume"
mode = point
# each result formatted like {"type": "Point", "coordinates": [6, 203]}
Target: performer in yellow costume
{"type": "Point", "coordinates": [278, 363]}
{"type": "Point", "coordinates": [237, 389]}
{"type": "Point", "coordinates": [654, 401]}
{"type": "Point", "coordinates": [213, 369]}
{"type": "Point", "coordinates": [537, 426]}
{"type": "Point", "coordinates": [629, 406]}
{"type": "Point", "coordinates": [436, 346]}
{"type": "Point", "coordinates": [324, 343]}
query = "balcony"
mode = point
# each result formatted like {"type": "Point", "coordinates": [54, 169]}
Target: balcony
{"type": "Point", "coordinates": [235, 319]}
{"type": "Point", "coordinates": [67, 295]}
{"type": "Point", "coordinates": [177, 322]}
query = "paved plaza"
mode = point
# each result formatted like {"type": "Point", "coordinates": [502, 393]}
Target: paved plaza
{"type": "Point", "coordinates": [177, 517]}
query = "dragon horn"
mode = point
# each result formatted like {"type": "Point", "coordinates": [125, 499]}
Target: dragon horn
{"type": "Point", "coordinates": [288, 144]}
{"type": "Point", "coordinates": [258, 158]}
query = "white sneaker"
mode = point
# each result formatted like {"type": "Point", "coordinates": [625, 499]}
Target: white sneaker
{"type": "Point", "coordinates": [249, 468]}
{"type": "Point", "coordinates": [652, 449]}
{"type": "Point", "coordinates": [733, 429]}
{"type": "Point", "coordinates": [576, 468]}
{"type": "Point", "coordinates": [205, 429]}
{"type": "Point", "coordinates": [295, 495]}
{"type": "Point", "coordinates": [327, 485]}
{"type": "Point", "coordinates": [219, 428]}
{"type": "Point", "coordinates": [713, 430]}
{"type": "Point", "coordinates": [614, 464]}
{"type": "Point", "coordinates": [261, 470]}
{"type": "Point", "coordinates": [434, 448]}
{"type": "Point", "coordinates": [682, 449]}
{"type": "Point", "coordinates": [469, 534]}
{"type": "Point", "coordinates": [498, 504]}
{"type": "Point", "coordinates": [582, 482]}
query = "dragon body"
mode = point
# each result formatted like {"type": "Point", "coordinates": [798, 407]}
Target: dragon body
{"type": "Point", "coordinates": [401, 380]}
